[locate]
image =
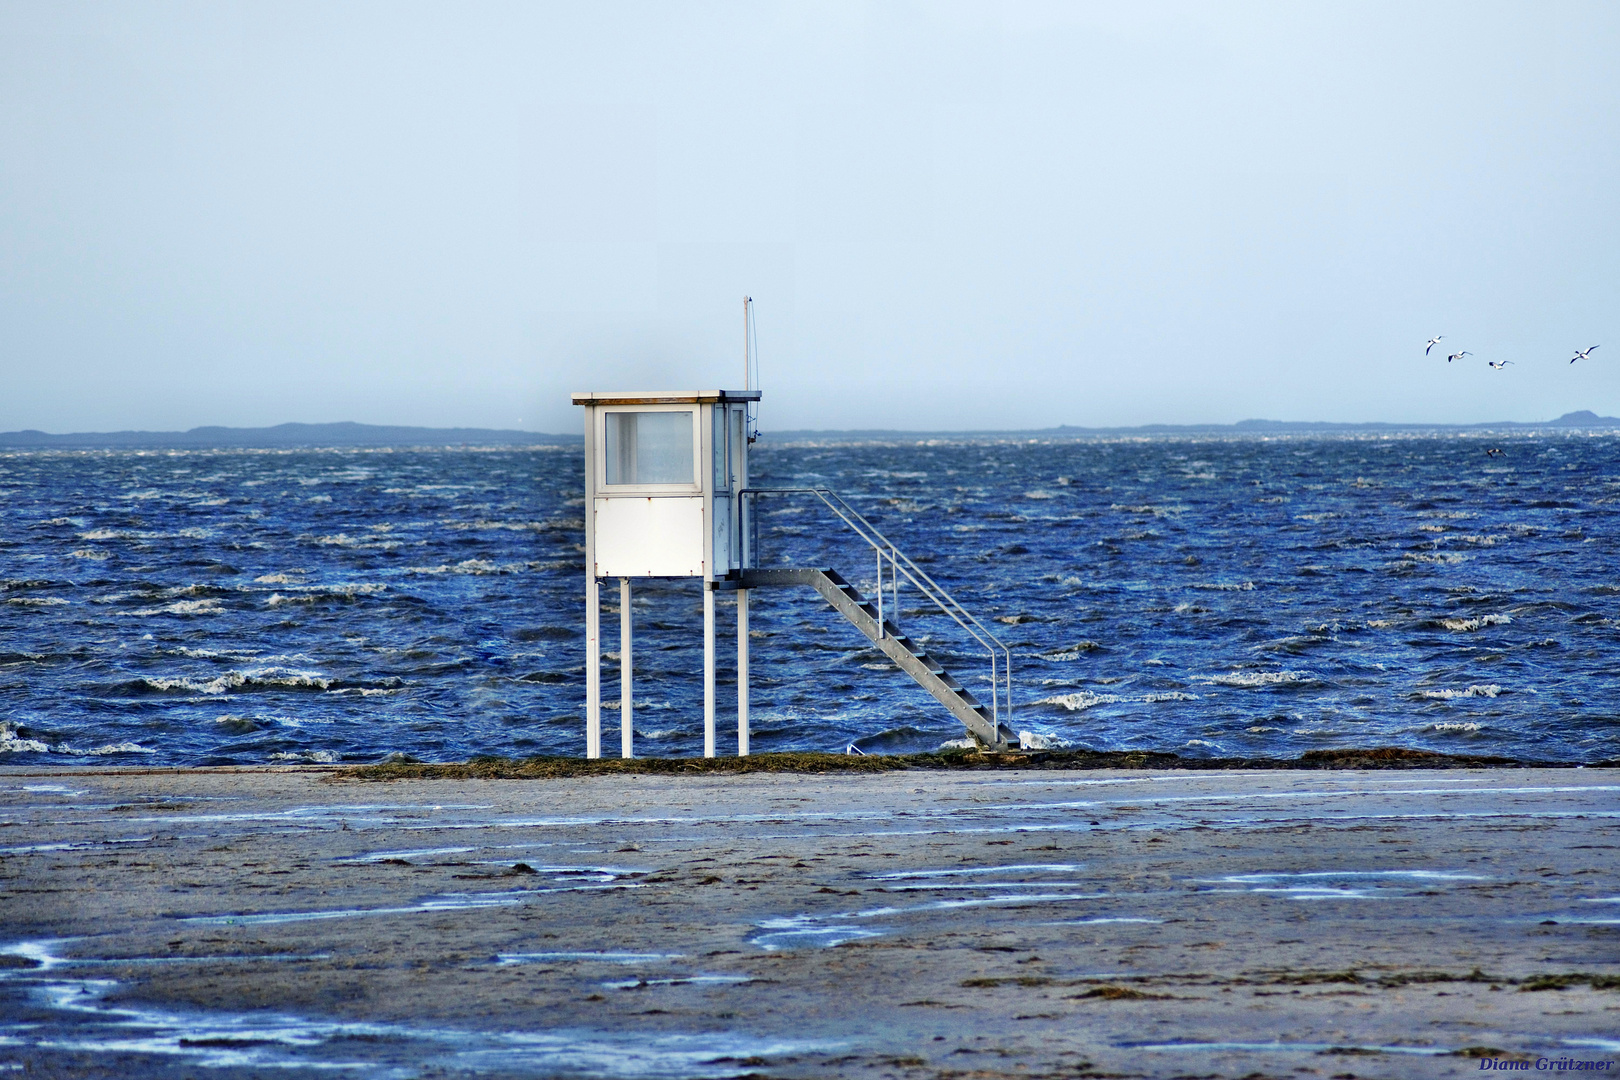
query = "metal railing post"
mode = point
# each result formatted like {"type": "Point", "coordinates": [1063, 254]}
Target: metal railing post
{"type": "Point", "coordinates": [894, 582]}
{"type": "Point", "coordinates": [995, 694]}
{"type": "Point", "coordinates": [880, 594]}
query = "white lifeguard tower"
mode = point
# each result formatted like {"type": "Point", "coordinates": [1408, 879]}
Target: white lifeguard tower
{"type": "Point", "coordinates": [664, 476]}
{"type": "Point", "coordinates": [667, 496]}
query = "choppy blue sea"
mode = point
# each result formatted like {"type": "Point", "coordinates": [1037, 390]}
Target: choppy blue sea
{"type": "Point", "coordinates": [1212, 597]}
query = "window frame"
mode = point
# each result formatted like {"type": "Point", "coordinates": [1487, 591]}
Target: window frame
{"type": "Point", "coordinates": [603, 450]}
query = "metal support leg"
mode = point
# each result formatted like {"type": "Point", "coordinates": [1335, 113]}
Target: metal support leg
{"type": "Point", "coordinates": [593, 670]}
{"type": "Point", "coordinates": [627, 736]}
{"type": "Point", "coordinates": [708, 670]}
{"type": "Point", "coordinates": [742, 672]}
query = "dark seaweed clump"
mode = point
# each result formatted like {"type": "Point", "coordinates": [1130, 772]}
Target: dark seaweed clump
{"type": "Point", "coordinates": [543, 767]}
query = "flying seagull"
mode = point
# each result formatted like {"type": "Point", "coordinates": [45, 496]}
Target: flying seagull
{"type": "Point", "coordinates": [1458, 355]}
{"type": "Point", "coordinates": [1432, 343]}
{"type": "Point", "coordinates": [1581, 354]}
{"type": "Point", "coordinates": [1498, 364]}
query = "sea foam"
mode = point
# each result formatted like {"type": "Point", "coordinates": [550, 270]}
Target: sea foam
{"type": "Point", "coordinates": [1465, 626]}
{"type": "Point", "coordinates": [1251, 679]}
{"type": "Point", "coordinates": [1478, 690]}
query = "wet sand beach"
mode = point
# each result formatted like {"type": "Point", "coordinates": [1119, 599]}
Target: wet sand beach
{"type": "Point", "coordinates": [244, 922]}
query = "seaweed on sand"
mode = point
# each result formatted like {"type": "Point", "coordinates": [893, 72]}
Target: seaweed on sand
{"type": "Point", "coordinates": [542, 767]}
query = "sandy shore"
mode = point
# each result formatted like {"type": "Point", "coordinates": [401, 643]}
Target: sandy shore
{"type": "Point", "coordinates": [910, 924]}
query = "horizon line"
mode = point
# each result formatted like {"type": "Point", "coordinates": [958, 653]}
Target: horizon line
{"type": "Point", "coordinates": [1578, 418]}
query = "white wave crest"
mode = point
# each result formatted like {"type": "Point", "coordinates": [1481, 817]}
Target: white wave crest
{"type": "Point", "coordinates": [313, 757]}
{"type": "Point", "coordinates": [138, 534]}
{"type": "Point", "coordinates": [1040, 740]}
{"type": "Point", "coordinates": [36, 601]}
{"type": "Point", "coordinates": [1464, 626]}
{"type": "Point", "coordinates": [1249, 679]}
{"type": "Point", "coordinates": [1226, 586]}
{"type": "Point", "coordinates": [88, 553]}
{"type": "Point", "coordinates": [111, 748]}
{"type": "Point", "coordinates": [372, 543]}
{"type": "Point", "coordinates": [188, 590]}
{"type": "Point", "coordinates": [475, 567]}
{"type": "Point", "coordinates": [251, 677]}
{"type": "Point", "coordinates": [314, 594]}
{"type": "Point", "coordinates": [1457, 728]}
{"type": "Point", "coordinates": [1169, 695]}
{"type": "Point", "coordinates": [11, 742]}
{"type": "Point", "coordinates": [179, 607]}
{"type": "Point", "coordinates": [640, 705]}
{"type": "Point", "coordinates": [487, 525]}
{"type": "Point", "coordinates": [241, 656]}
{"type": "Point", "coordinates": [1438, 558]}
{"type": "Point", "coordinates": [1489, 690]}
{"type": "Point", "coordinates": [1085, 699]}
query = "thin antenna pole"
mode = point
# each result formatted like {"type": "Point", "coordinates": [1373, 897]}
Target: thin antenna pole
{"type": "Point", "coordinates": [748, 302]}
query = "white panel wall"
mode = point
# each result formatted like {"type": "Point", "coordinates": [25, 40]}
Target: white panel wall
{"type": "Point", "coordinates": [649, 537]}
{"type": "Point", "coordinates": [724, 557]}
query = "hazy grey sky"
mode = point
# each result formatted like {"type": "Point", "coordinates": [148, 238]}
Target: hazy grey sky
{"type": "Point", "coordinates": [949, 215]}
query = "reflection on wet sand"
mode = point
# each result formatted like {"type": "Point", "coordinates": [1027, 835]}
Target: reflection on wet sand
{"type": "Point", "coordinates": [805, 926]}
{"type": "Point", "coordinates": [75, 1016]}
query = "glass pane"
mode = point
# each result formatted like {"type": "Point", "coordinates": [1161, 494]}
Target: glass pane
{"type": "Point", "coordinates": [649, 448]}
{"type": "Point", "coordinates": [720, 481]}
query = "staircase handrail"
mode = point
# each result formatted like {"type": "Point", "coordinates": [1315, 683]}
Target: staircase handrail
{"type": "Point", "coordinates": [1000, 680]}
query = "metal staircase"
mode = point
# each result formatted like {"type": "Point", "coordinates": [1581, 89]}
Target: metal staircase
{"type": "Point", "coordinates": [988, 724]}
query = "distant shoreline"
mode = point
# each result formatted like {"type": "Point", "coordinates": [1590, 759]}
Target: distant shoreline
{"type": "Point", "coordinates": [1583, 420]}
{"type": "Point", "coordinates": [349, 434]}
{"type": "Point", "coordinates": [283, 435]}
